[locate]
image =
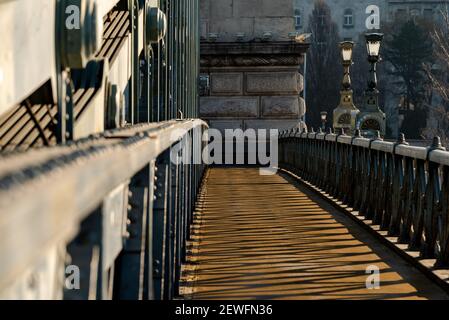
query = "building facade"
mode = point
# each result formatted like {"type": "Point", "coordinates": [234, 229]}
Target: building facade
{"type": "Point", "coordinates": [350, 16]}
{"type": "Point", "coordinates": [250, 64]}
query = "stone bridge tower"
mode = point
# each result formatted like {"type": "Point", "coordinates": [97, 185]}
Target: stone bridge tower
{"type": "Point", "coordinates": [251, 65]}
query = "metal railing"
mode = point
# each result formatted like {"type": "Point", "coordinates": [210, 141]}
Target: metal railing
{"type": "Point", "coordinates": [401, 188]}
{"type": "Point", "coordinates": [114, 206]}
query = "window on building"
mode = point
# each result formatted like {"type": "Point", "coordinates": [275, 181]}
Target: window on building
{"type": "Point", "coordinates": [428, 14]}
{"type": "Point", "coordinates": [298, 19]}
{"type": "Point", "coordinates": [414, 14]}
{"type": "Point", "coordinates": [321, 45]}
{"type": "Point", "coordinates": [348, 21]}
{"type": "Point", "coordinates": [400, 14]}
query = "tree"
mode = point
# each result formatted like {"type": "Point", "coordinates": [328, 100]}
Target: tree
{"type": "Point", "coordinates": [408, 50]}
{"type": "Point", "coordinates": [323, 62]}
{"type": "Point", "coordinates": [438, 112]}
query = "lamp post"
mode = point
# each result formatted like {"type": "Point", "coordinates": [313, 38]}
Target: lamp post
{"type": "Point", "coordinates": [372, 118]}
{"type": "Point", "coordinates": [346, 113]}
{"type": "Point", "coordinates": [373, 42]}
{"type": "Point", "coordinates": [301, 38]}
{"type": "Point", "coordinates": [323, 120]}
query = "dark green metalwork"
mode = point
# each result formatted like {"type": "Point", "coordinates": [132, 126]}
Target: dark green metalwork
{"type": "Point", "coordinates": [137, 241]}
{"type": "Point", "coordinates": [173, 64]}
{"type": "Point", "coordinates": [401, 188]}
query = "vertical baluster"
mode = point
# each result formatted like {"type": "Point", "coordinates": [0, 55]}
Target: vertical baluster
{"type": "Point", "coordinates": [406, 201]}
{"type": "Point", "coordinates": [443, 223]}
{"type": "Point", "coordinates": [331, 167]}
{"type": "Point", "coordinates": [417, 209]}
{"type": "Point", "coordinates": [398, 179]}
{"type": "Point", "coordinates": [376, 184]}
{"type": "Point", "coordinates": [366, 163]}
{"type": "Point", "coordinates": [358, 175]}
{"type": "Point", "coordinates": [388, 187]}
{"type": "Point", "coordinates": [341, 178]}
{"type": "Point", "coordinates": [334, 168]}
{"type": "Point", "coordinates": [281, 149]}
{"type": "Point", "coordinates": [432, 202]}
{"type": "Point", "coordinates": [322, 164]}
{"type": "Point", "coordinates": [380, 191]}
{"type": "Point", "coordinates": [315, 159]}
{"type": "Point", "coordinates": [371, 199]}
{"type": "Point", "coordinates": [430, 210]}
{"type": "Point", "coordinates": [326, 163]}
{"type": "Point", "coordinates": [350, 176]}
{"type": "Point", "coordinates": [347, 175]}
{"type": "Point", "coordinates": [352, 179]}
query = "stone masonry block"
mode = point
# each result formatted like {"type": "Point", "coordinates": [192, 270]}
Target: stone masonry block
{"type": "Point", "coordinates": [228, 28]}
{"type": "Point", "coordinates": [204, 24]}
{"type": "Point", "coordinates": [277, 8]}
{"type": "Point", "coordinates": [272, 83]}
{"type": "Point", "coordinates": [205, 8]}
{"type": "Point", "coordinates": [222, 125]}
{"type": "Point", "coordinates": [279, 27]}
{"type": "Point", "coordinates": [226, 83]}
{"type": "Point", "coordinates": [282, 107]}
{"type": "Point", "coordinates": [273, 124]}
{"type": "Point", "coordinates": [229, 107]}
{"type": "Point", "coordinates": [221, 9]}
{"type": "Point", "coordinates": [247, 9]}
{"type": "Point", "coordinates": [258, 8]}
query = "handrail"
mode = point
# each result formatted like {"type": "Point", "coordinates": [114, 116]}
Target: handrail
{"type": "Point", "coordinates": [46, 193]}
{"type": "Point", "coordinates": [402, 188]}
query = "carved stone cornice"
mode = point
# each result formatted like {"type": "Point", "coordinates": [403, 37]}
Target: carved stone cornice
{"type": "Point", "coordinates": [209, 61]}
{"type": "Point", "coordinates": [236, 54]}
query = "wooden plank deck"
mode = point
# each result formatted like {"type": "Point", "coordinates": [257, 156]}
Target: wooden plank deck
{"type": "Point", "coordinates": [267, 237]}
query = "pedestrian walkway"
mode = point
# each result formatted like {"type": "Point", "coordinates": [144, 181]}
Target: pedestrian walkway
{"type": "Point", "coordinates": [267, 237]}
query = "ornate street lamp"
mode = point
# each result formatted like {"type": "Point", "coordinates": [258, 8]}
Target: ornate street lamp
{"type": "Point", "coordinates": [372, 119]}
{"type": "Point", "coordinates": [346, 58]}
{"type": "Point", "coordinates": [323, 119]}
{"type": "Point", "coordinates": [373, 41]}
{"type": "Point", "coordinates": [346, 113]}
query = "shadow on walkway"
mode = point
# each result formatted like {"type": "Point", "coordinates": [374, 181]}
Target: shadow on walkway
{"type": "Point", "coordinates": [267, 237]}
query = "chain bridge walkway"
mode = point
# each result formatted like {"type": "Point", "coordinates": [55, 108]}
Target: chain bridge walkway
{"type": "Point", "coordinates": [268, 237]}
{"type": "Point", "coordinates": [116, 212]}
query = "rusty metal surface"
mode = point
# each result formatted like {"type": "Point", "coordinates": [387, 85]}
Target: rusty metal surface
{"type": "Point", "coordinates": [265, 237]}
